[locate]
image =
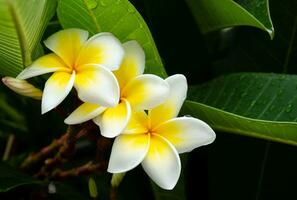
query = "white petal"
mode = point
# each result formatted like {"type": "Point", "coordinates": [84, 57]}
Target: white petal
{"type": "Point", "coordinates": [57, 87]}
{"type": "Point", "coordinates": [67, 44]}
{"type": "Point", "coordinates": [146, 91]}
{"type": "Point", "coordinates": [45, 64]}
{"type": "Point", "coordinates": [127, 152]}
{"type": "Point", "coordinates": [133, 63]}
{"type": "Point", "coordinates": [186, 133]}
{"type": "Point", "coordinates": [96, 84]}
{"type": "Point", "coordinates": [84, 112]}
{"type": "Point", "coordinates": [162, 163]}
{"type": "Point", "coordinates": [103, 49]}
{"type": "Point", "coordinates": [171, 107]}
{"type": "Point", "coordinates": [114, 120]}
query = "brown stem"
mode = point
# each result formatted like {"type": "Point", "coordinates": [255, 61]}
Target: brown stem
{"type": "Point", "coordinates": [67, 149]}
{"type": "Point", "coordinates": [34, 158]}
{"type": "Point", "coordinates": [85, 169]}
{"type": "Point", "coordinates": [113, 193]}
{"type": "Point", "coordinates": [102, 145]}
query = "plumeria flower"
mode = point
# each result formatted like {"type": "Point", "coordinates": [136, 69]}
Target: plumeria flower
{"type": "Point", "coordinates": [83, 63]}
{"type": "Point", "coordinates": [138, 91]}
{"type": "Point", "coordinates": [155, 139]}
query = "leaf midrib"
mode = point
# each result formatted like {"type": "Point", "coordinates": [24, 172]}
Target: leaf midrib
{"type": "Point", "coordinates": [98, 28]}
{"type": "Point", "coordinates": [25, 50]}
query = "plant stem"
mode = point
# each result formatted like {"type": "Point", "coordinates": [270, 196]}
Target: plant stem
{"type": "Point", "coordinates": [34, 158]}
{"type": "Point", "coordinates": [85, 169]}
{"type": "Point", "coordinates": [8, 148]}
{"type": "Point", "coordinates": [267, 148]}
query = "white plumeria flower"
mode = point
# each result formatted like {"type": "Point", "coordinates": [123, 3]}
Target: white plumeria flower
{"type": "Point", "coordinates": [83, 63]}
{"type": "Point", "coordinates": [155, 139]}
{"type": "Point", "coordinates": [138, 91]}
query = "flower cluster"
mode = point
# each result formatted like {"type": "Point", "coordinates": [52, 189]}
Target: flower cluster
{"type": "Point", "coordinates": [139, 110]}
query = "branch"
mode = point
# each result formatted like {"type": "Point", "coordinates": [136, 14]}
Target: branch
{"type": "Point", "coordinates": [85, 169]}
{"type": "Point", "coordinates": [34, 158]}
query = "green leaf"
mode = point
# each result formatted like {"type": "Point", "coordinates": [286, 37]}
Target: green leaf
{"type": "Point", "coordinates": [253, 104]}
{"type": "Point", "coordinates": [212, 15]}
{"type": "Point", "coordinates": [11, 119]}
{"type": "Point", "coordinates": [22, 24]}
{"type": "Point", "coordinates": [11, 178]}
{"type": "Point", "coordinates": [116, 16]}
{"type": "Point", "coordinates": [247, 49]}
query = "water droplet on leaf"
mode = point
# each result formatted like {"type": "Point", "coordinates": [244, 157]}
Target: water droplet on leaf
{"type": "Point", "coordinates": [131, 10]}
{"type": "Point", "coordinates": [91, 4]}
{"type": "Point", "coordinates": [289, 108]}
{"type": "Point", "coordinates": [103, 3]}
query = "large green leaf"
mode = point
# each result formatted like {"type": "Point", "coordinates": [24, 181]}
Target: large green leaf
{"type": "Point", "coordinates": [10, 178]}
{"type": "Point", "coordinates": [254, 104]}
{"type": "Point", "coordinates": [248, 49]}
{"type": "Point", "coordinates": [22, 24]}
{"type": "Point", "coordinates": [116, 16]}
{"type": "Point", "coordinates": [217, 14]}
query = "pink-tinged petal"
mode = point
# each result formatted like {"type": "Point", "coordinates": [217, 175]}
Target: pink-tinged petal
{"type": "Point", "coordinates": [97, 85]}
{"type": "Point", "coordinates": [114, 120]}
{"type": "Point", "coordinates": [127, 152]}
{"type": "Point", "coordinates": [67, 44]}
{"type": "Point", "coordinates": [186, 133]}
{"type": "Point", "coordinates": [162, 163]}
{"type": "Point", "coordinates": [170, 108]}
{"type": "Point", "coordinates": [84, 112]}
{"type": "Point", "coordinates": [133, 63]}
{"type": "Point", "coordinates": [43, 65]}
{"type": "Point", "coordinates": [103, 49]}
{"type": "Point", "coordinates": [57, 87]}
{"type": "Point", "coordinates": [146, 91]}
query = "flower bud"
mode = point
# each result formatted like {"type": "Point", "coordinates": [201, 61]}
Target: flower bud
{"type": "Point", "coordinates": [22, 87]}
{"type": "Point", "coordinates": [117, 179]}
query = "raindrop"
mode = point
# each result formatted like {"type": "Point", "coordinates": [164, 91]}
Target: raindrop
{"type": "Point", "coordinates": [272, 108]}
{"type": "Point", "coordinates": [289, 108]}
{"type": "Point", "coordinates": [91, 4]}
{"type": "Point", "coordinates": [280, 92]}
{"type": "Point", "coordinates": [103, 3]}
{"type": "Point", "coordinates": [282, 77]}
{"type": "Point", "coordinates": [253, 103]}
{"type": "Point", "coordinates": [243, 94]}
{"type": "Point", "coordinates": [242, 76]}
{"type": "Point", "coordinates": [131, 9]}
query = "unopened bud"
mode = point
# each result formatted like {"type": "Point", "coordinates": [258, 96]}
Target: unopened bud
{"type": "Point", "coordinates": [117, 179]}
{"type": "Point", "coordinates": [22, 87]}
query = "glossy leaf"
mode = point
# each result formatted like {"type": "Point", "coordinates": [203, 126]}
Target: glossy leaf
{"type": "Point", "coordinates": [212, 15]}
{"type": "Point", "coordinates": [116, 16]}
{"type": "Point", "coordinates": [247, 49]}
{"type": "Point", "coordinates": [10, 178]}
{"type": "Point", "coordinates": [22, 24]}
{"type": "Point", "coordinates": [259, 105]}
